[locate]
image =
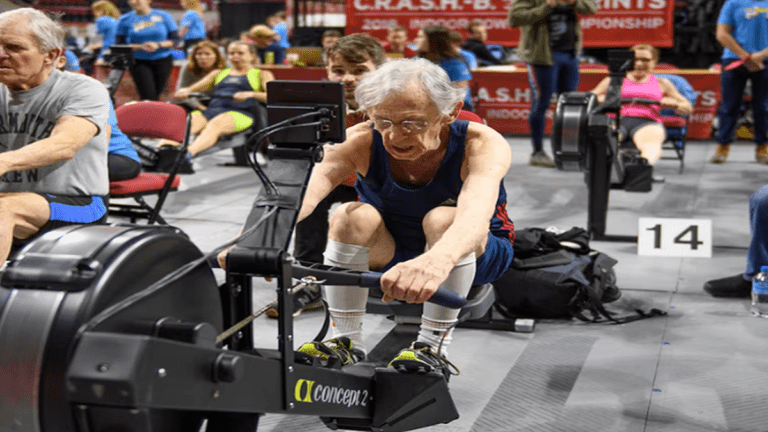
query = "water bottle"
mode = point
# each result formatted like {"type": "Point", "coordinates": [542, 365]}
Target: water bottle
{"type": "Point", "coordinates": [760, 293]}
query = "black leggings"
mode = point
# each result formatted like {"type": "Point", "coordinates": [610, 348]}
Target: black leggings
{"type": "Point", "coordinates": [150, 76]}
{"type": "Point", "coordinates": [122, 167]}
{"type": "Point", "coordinates": [312, 232]}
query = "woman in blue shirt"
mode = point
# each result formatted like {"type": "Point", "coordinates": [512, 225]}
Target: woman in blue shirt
{"type": "Point", "coordinates": [152, 33]}
{"type": "Point", "coordinates": [434, 44]}
{"type": "Point", "coordinates": [106, 14]}
{"type": "Point", "coordinates": [191, 26]}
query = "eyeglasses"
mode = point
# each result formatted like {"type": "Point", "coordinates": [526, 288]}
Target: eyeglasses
{"type": "Point", "coordinates": [408, 125]}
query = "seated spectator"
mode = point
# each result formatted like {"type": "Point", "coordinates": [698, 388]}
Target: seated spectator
{"type": "Point", "coordinates": [397, 42]}
{"type": "Point", "coordinates": [123, 162]}
{"type": "Point", "coordinates": [53, 173]}
{"type": "Point", "coordinates": [434, 45]}
{"type": "Point", "coordinates": [641, 123]}
{"type": "Point", "coordinates": [267, 50]}
{"type": "Point", "coordinates": [204, 58]}
{"type": "Point", "coordinates": [475, 44]}
{"type": "Point", "coordinates": [327, 40]}
{"type": "Point", "coordinates": [740, 285]}
{"type": "Point", "coordinates": [280, 26]}
{"type": "Point", "coordinates": [469, 58]}
{"type": "Point", "coordinates": [234, 92]}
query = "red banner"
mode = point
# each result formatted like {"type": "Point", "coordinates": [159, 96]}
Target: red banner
{"type": "Point", "coordinates": [618, 23]}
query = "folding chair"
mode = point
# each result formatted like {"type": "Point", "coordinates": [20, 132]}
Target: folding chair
{"type": "Point", "coordinates": [677, 125]}
{"type": "Point", "coordinates": [149, 119]}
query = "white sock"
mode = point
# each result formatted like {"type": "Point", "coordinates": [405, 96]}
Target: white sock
{"type": "Point", "coordinates": [346, 304]}
{"type": "Point", "coordinates": [437, 321]}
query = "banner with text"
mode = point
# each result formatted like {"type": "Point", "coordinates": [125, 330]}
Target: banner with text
{"type": "Point", "coordinates": [617, 23]}
{"type": "Point", "coordinates": [503, 99]}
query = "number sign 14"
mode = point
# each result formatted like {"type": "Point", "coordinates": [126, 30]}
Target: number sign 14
{"type": "Point", "coordinates": [673, 237]}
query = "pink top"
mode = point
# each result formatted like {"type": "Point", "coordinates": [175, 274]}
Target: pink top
{"type": "Point", "coordinates": [650, 89]}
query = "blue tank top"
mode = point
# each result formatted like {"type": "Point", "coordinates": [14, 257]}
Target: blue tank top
{"type": "Point", "coordinates": [403, 209]}
{"type": "Point", "coordinates": [228, 86]}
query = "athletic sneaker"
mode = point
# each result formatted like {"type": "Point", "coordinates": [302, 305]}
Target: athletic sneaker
{"type": "Point", "coordinates": [307, 299]}
{"type": "Point", "coordinates": [421, 358]}
{"type": "Point", "coordinates": [341, 348]}
{"type": "Point", "coordinates": [761, 154]}
{"type": "Point", "coordinates": [721, 154]}
{"type": "Point", "coordinates": [541, 159]}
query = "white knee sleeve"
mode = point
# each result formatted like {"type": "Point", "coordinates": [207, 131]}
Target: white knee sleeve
{"type": "Point", "coordinates": [346, 304]}
{"type": "Point", "coordinates": [437, 321]}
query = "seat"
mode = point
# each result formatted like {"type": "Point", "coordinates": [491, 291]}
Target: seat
{"type": "Point", "coordinates": [677, 125]}
{"type": "Point", "coordinates": [149, 119]}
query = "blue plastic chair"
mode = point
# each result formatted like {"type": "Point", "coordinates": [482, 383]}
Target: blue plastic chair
{"type": "Point", "coordinates": [675, 124]}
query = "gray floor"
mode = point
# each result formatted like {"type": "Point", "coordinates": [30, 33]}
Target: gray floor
{"type": "Point", "coordinates": [696, 369]}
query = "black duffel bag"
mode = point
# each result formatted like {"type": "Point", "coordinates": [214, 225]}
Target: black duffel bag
{"type": "Point", "coordinates": [558, 276]}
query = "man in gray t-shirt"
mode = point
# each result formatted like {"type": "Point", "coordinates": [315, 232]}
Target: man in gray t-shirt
{"type": "Point", "coordinates": [53, 149]}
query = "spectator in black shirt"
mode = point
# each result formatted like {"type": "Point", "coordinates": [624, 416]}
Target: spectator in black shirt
{"type": "Point", "coordinates": [475, 43]}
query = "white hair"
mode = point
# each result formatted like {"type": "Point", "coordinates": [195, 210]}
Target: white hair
{"type": "Point", "coordinates": [395, 75]}
{"type": "Point", "coordinates": [49, 34]}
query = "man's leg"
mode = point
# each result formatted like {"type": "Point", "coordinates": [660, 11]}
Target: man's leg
{"type": "Point", "coordinates": [759, 106]}
{"type": "Point", "coordinates": [541, 80]}
{"type": "Point", "coordinates": [312, 232]}
{"type": "Point", "coordinates": [757, 254]}
{"type": "Point", "coordinates": [22, 215]}
{"type": "Point", "coordinates": [732, 88]}
{"type": "Point", "coordinates": [437, 322]}
{"type": "Point", "coordinates": [740, 285]}
{"type": "Point", "coordinates": [358, 240]}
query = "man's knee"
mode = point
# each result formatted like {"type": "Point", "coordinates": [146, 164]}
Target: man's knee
{"type": "Point", "coordinates": [26, 213]}
{"type": "Point", "coordinates": [437, 221]}
{"type": "Point", "coordinates": [759, 200]}
{"type": "Point", "coordinates": [354, 223]}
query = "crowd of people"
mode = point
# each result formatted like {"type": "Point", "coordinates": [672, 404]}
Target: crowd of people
{"type": "Point", "coordinates": [420, 190]}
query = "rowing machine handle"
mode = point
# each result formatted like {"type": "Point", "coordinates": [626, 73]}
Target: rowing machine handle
{"type": "Point", "coordinates": [441, 297]}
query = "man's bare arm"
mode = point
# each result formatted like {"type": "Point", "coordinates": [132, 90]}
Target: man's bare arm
{"type": "Point", "coordinates": [488, 160]}
{"type": "Point", "coordinates": [340, 162]}
{"type": "Point", "coordinates": [70, 134]}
